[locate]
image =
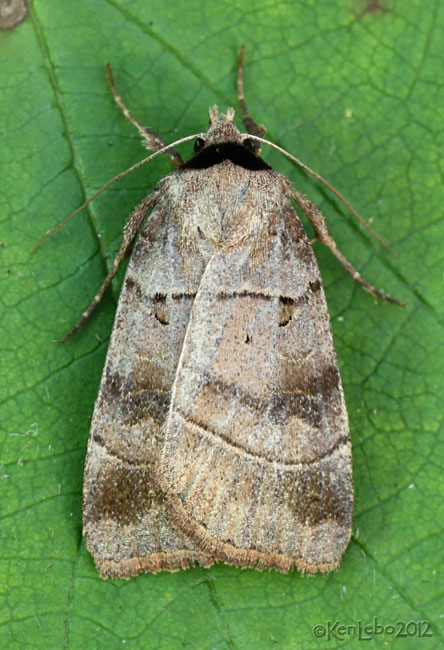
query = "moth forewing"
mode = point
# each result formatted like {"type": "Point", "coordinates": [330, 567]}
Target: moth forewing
{"type": "Point", "coordinates": [256, 461]}
{"type": "Point", "coordinates": [128, 529]}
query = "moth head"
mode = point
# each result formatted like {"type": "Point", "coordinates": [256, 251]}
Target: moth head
{"type": "Point", "coordinates": [222, 128]}
{"type": "Point", "coordinates": [224, 142]}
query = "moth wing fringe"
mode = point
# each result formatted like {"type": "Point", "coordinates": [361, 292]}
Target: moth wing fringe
{"type": "Point", "coordinates": [171, 562]}
{"type": "Point", "coordinates": [244, 558]}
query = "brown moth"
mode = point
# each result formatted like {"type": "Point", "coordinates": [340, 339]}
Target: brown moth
{"type": "Point", "coordinates": [220, 432]}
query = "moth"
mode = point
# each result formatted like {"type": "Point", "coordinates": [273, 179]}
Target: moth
{"type": "Point", "coordinates": [220, 431]}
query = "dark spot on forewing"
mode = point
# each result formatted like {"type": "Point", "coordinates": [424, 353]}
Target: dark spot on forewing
{"type": "Point", "coordinates": [160, 309]}
{"type": "Point", "coordinates": [315, 494]}
{"type": "Point", "coordinates": [281, 406]}
{"type": "Point", "coordinates": [287, 305]}
{"type": "Point", "coordinates": [286, 311]}
{"type": "Point", "coordinates": [133, 288]}
{"type": "Point", "coordinates": [123, 494]}
{"type": "Point", "coordinates": [145, 406]}
{"type": "Point", "coordinates": [141, 396]}
{"type": "Point", "coordinates": [321, 380]}
{"type": "Point", "coordinates": [98, 439]}
{"type": "Point", "coordinates": [311, 394]}
{"type": "Point", "coordinates": [112, 387]}
{"type": "Point", "coordinates": [244, 294]}
{"type": "Point", "coordinates": [161, 302]}
{"type": "Point", "coordinates": [302, 406]}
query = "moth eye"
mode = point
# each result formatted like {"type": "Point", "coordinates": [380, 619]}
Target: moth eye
{"type": "Point", "coordinates": [249, 144]}
{"type": "Point", "coordinates": [199, 145]}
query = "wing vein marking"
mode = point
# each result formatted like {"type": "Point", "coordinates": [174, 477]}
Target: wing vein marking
{"type": "Point", "coordinates": [297, 300]}
{"type": "Point", "coordinates": [99, 441]}
{"type": "Point", "coordinates": [210, 433]}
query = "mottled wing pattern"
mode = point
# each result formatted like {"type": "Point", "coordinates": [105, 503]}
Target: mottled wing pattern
{"type": "Point", "coordinates": [127, 527]}
{"type": "Point", "coordinates": [256, 462]}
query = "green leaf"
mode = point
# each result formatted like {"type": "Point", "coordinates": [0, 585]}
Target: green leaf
{"type": "Point", "coordinates": [351, 87]}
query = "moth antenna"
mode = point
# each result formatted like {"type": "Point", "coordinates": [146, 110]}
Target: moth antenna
{"type": "Point", "coordinates": [111, 182]}
{"type": "Point", "coordinates": [327, 184]}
